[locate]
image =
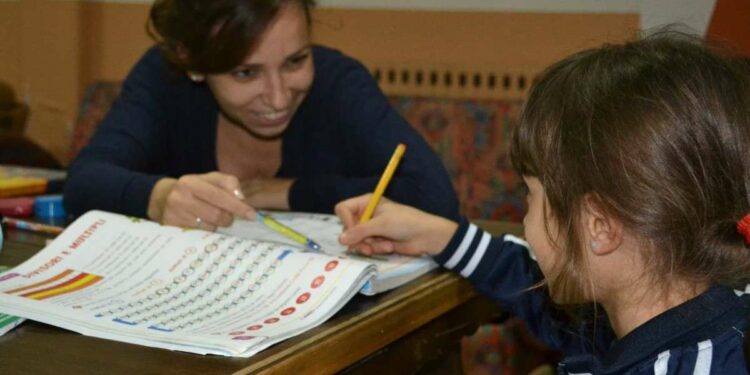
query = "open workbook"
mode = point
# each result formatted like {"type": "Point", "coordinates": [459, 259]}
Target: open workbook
{"type": "Point", "coordinates": [392, 270]}
{"type": "Point", "coordinates": [136, 281]}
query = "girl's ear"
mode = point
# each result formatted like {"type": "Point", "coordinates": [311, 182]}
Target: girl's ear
{"type": "Point", "coordinates": [604, 230]}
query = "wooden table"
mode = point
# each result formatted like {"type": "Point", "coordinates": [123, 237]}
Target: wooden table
{"type": "Point", "coordinates": [401, 331]}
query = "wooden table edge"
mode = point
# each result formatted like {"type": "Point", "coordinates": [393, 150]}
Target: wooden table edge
{"type": "Point", "coordinates": [372, 329]}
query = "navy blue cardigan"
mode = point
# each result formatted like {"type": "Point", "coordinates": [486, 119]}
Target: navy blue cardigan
{"type": "Point", "coordinates": [337, 144]}
{"type": "Point", "coordinates": [701, 336]}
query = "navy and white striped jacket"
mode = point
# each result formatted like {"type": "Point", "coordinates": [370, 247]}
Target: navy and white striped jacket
{"type": "Point", "coordinates": [701, 336]}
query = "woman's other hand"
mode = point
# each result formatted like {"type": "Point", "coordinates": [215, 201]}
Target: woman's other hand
{"type": "Point", "coordinates": [204, 201]}
{"type": "Point", "coordinates": [393, 228]}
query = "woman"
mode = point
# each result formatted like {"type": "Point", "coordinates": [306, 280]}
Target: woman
{"type": "Point", "coordinates": [237, 110]}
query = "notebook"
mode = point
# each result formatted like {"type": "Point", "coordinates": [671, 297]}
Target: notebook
{"type": "Point", "coordinates": [131, 280]}
{"type": "Point", "coordinates": [392, 270]}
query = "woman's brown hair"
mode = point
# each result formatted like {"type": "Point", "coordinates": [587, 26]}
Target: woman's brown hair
{"type": "Point", "coordinates": [212, 36]}
{"type": "Point", "coordinates": [657, 132]}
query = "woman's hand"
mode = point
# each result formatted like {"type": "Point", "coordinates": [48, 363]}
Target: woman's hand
{"type": "Point", "coordinates": [393, 228]}
{"type": "Point", "coordinates": [269, 193]}
{"type": "Point", "coordinates": [204, 201]}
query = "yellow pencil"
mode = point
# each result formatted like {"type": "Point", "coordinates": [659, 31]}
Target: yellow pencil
{"type": "Point", "coordinates": [383, 183]}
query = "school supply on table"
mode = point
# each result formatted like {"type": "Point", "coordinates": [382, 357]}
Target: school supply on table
{"type": "Point", "coordinates": [49, 206]}
{"type": "Point", "coordinates": [8, 322]}
{"type": "Point", "coordinates": [32, 226]}
{"type": "Point", "coordinates": [17, 186]}
{"type": "Point", "coordinates": [17, 207]}
{"type": "Point", "coordinates": [133, 280]}
{"type": "Point", "coordinates": [22, 181]}
{"type": "Point", "coordinates": [383, 183]}
{"type": "Point", "coordinates": [392, 270]}
{"type": "Point", "coordinates": [284, 230]}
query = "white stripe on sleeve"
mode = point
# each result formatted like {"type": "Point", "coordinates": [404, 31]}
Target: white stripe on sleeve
{"type": "Point", "coordinates": [703, 361]}
{"type": "Point", "coordinates": [478, 254]}
{"type": "Point", "coordinates": [462, 248]}
{"type": "Point", "coordinates": [516, 240]}
{"type": "Point", "coordinates": [662, 363]}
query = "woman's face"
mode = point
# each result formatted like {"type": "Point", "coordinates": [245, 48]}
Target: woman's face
{"type": "Point", "coordinates": [263, 93]}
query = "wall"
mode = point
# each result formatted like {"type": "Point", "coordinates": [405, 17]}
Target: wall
{"type": "Point", "coordinates": [40, 59]}
{"type": "Point", "coordinates": [465, 42]}
{"type": "Point", "coordinates": [114, 38]}
{"type": "Point", "coordinates": [56, 48]}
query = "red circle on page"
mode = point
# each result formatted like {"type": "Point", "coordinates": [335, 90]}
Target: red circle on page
{"type": "Point", "coordinates": [303, 297]}
{"type": "Point", "coordinates": [318, 281]}
{"type": "Point", "coordinates": [288, 311]}
{"type": "Point", "coordinates": [331, 265]}
{"type": "Point", "coordinates": [271, 320]}
{"type": "Point", "coordinates": [243, 337]}
{"type": "Point", "coordinates": [255, 327]}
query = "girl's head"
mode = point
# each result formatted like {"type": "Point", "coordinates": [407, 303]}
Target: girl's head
{"type": "Point", "coordinates": [255, 56]}
{"type": "Point", "coordinates": [654, 133]}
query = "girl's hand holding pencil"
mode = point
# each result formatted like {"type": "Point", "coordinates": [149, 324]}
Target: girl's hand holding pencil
{"type": "Point", "coordinates": [393, 228]}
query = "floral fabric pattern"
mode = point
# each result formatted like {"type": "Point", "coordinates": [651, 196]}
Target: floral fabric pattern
{"type": "Point", "coordinates": [472, 137]}
{"type": "Point", "coordinates": [94, 106]}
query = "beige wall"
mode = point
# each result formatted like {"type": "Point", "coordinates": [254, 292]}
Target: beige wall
{"type": "Point", "coordinates": [40, 59]}
{"type": "Point", "coordinates": [55, 48]}
{"type": "Point", "coordinates": [114, 38]}
{"type": "Point", "coordinates": [465, 38]}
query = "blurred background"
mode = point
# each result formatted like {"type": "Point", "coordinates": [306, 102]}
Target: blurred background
{"type": "Point", "coordinates": [52, 51]}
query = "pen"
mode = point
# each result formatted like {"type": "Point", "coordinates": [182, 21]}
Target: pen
{"type": "Point", "coordinates": [285, 230]}
{"type": "Point", "coordinates": [383, 183]}
{"type": "Point", "coordinates": [31, 226]}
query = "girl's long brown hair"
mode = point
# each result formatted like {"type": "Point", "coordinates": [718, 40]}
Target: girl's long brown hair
{"type": "Point", "coordinates": [657, 132]}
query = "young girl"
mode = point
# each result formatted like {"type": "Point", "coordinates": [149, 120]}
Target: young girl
{"type": "Point", "coordinates": [637, 162]}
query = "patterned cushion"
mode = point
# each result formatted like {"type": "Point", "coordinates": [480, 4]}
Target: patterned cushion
{"type": "Point", "coordinates": [94, 106]}
{"type": "Point", "coordinates": [472, 137]}
{"type": "Point", "coordinates": [506, 349]}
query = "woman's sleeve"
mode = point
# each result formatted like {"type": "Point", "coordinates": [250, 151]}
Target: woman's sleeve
{"type": "Point", "coordinates": [112, 172]}
{"type": "Point", "coordinates": [371, 129]}
{"type": "Point", "coordinates": [503, 269]}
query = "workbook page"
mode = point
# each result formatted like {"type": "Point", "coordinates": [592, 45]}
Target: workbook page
{"type": "Point", "coordinates": [392, 270]}
{"type": "Point", "coordinates": [136, 281]}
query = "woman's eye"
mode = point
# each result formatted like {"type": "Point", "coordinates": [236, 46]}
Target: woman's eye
{"type": "Point", "coordinates": [298, 60]}
{"type": "Point", "coordinates": [245, 73]}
